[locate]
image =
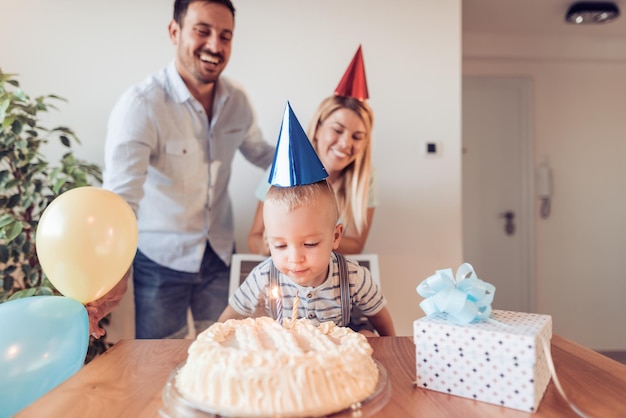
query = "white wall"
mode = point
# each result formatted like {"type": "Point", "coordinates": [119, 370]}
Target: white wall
{"type": "Point", "coordinates": [283, 50]}
{"type": "Point", "coordinates": [579, 107]}
{"type": "Point", "coordinates": [90, 52]}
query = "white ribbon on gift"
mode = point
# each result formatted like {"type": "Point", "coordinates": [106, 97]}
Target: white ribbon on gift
{"type": "Point", "coordinates": [557, 382]}
{"type": "Point", "coordinates": [462, 300]}
{"type": "Point", "coordinates": [545, 346]}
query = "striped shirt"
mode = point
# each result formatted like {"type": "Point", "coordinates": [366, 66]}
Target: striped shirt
{"type": "Point", "coordinates": [319, 304]}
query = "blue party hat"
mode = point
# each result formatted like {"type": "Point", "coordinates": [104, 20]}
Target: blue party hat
{"type": "Point", "coordinates": [295, 161]}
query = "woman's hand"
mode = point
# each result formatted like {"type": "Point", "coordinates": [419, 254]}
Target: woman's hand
{"type": "Point", "coordinates": [352, 242]}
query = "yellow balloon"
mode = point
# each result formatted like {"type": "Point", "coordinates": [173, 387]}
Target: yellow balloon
{"type": "Point", "coordinates": [86, 240]}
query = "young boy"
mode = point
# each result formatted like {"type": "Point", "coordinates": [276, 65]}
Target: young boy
{"type": "Point", "coordinates": [302, 232]}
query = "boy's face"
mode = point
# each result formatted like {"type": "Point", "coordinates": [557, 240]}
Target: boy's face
{"type": "Point", "coordinates": [301, 240]}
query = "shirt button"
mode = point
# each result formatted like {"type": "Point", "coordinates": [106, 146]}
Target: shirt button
{"type": "Point", "coordinates": [309, 295]}
{"type": "Point", "coordinates": [311, 315]}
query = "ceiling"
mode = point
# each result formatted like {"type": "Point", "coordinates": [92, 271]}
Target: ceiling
{"type": "Point", "coordinates": [539, 17]}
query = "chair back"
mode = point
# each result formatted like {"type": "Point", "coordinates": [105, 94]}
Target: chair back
{"type": "Point", "coordinates": [242, 264]}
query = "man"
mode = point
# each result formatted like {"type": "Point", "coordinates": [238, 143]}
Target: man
{"type": "Point", "coordinates": [170, 143]}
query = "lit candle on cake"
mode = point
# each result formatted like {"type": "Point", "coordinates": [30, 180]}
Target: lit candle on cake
{"type": "Point", "coordinates": [294, 311]}
{"type": "Point", "coordinates": [279, 304]}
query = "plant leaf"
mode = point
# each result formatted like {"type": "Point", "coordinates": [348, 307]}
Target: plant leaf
{"type": "Point", "coordinates": [14, 231]}
{"type": "Point", "coordinates": [24, 293]}
{"type": "Point", "coordinates": [4, 254]}
{"type": "Point", "coordinates": [6, 219]}
{"type": "Point", "coordinates": [44, 291]}
{"type": "Point", "coordinates": [65, 141]}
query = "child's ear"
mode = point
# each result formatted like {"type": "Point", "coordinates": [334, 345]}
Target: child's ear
{"type": "Point", "coordinates": [337, 235]}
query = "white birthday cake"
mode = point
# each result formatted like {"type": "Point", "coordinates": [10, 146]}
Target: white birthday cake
{"type": "Point", "coordinates": [255, 367]}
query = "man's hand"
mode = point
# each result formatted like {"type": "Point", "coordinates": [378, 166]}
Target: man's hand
{"type": "Point", "coordinates": [99, 308]}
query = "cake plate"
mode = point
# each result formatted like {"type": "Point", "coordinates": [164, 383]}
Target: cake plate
{"type": "Point", "coordinates": [176, 406]}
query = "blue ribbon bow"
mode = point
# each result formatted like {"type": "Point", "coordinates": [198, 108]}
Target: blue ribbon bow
{"type": "Point", "coordinates": [461, 301]}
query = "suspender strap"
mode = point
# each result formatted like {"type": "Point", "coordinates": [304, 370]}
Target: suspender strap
{"type": "Point", "coordinates": [273, 281]}
{"type": "Point", "coordinates": [344, 287]}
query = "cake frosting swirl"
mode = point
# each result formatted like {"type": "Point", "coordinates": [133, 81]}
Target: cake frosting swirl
{"type": "Point", "coordinates": [254, 367]}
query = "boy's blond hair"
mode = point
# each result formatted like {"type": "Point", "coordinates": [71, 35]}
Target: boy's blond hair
{"type": "Point", "coordinates": [301, 196]}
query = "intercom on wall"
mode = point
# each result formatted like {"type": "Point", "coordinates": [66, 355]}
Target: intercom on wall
{"type": "Point", "coordinates": [544, 189]}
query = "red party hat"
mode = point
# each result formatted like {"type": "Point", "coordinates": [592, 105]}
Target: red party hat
{"type": "Point", "coordinates": [354, 83]}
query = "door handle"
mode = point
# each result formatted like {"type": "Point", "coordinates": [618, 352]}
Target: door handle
{"type": "Point", "coordinates": [509, 222]}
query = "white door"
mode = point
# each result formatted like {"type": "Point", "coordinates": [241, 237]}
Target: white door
{"type": "Point", "coordinates": [497, 174]}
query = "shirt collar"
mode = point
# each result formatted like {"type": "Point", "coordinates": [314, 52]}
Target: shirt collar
{"type": "Point", "coordinates": [179, 89]}
{"type": "Point", "coordinates": [181, 92]}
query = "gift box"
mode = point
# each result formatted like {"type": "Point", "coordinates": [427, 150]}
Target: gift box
{"type": "Point", "coordinates": [465, 348]}
{"type": "Point", "coordinates": [500, 360]}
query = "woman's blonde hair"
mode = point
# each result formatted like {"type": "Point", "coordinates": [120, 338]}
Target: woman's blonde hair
{"type": "Point", "coordinates": [353, 190]}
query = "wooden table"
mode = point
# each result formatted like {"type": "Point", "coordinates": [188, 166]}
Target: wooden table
{"type": "Point", "coordinates": [127, 381]}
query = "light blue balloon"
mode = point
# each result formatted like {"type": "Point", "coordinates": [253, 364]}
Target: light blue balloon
{"type": "Point", "coordinates": [43, 341]}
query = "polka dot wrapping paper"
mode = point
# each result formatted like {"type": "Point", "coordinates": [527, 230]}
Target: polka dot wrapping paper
{"type": "Point", "coordinates": [499, 361]}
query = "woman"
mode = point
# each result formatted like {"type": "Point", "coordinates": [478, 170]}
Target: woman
{"type": "Point", "coordinates": [340, 132]}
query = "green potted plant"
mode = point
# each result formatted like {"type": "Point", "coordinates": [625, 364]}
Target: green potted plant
{"type": "Point", "coordinates": [28, 183]}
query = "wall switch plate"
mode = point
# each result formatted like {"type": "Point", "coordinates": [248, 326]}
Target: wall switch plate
{"type": "Point", "coordinates": [431, 148]}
